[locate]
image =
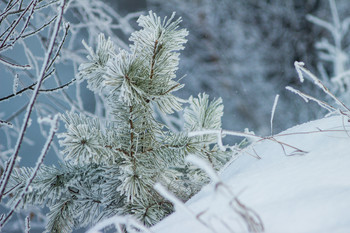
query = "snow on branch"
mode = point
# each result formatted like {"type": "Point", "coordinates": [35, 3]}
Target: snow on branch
{"type": "Point", "coordinates": [30, 106]}
{"type": "Point", "coordinates": [300, 69]}
{"type": "Point", "coordinates": [307, 97]}
{"type": "Point", "coordinates": [273, 112]}
{"type": "Point", "coordinates": [122, 156]}
{"type": "Point", "coordinates": [335, 53]}
{"type": "Point", "coordinates": [120, 223]}
{"type": "Point", "coordinates": [27, 187]}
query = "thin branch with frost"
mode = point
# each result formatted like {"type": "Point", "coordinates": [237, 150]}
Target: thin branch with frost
{"type": "Point", "coordinates": [320, 22]}
{"type": "Point", "coordinates": [27, 224]}
{"type": "Point", "coordinates": [120, 222]}
{"type": "Point", "coordinates": [340, 77]}
{"type": "Point", "coordinates": [30, 15]}
{"type": "Point", "coordinates": [15, 24]}
{"type": "Point", "coordinates": [7, 9]}
{"type": "Point", "coordinates": [30, 87]}
{"type": "Point", "coordinates": [15, 84]}
{"type": "Point", "coordinates": [298, 66]}
{"type": "Point", "coordinates": [178, 204]}
{"type": "Point", "coordinates": [318, 83]}
{"type": "Point", "coordinates": [40, 161]}
{"type": "Point", "coordinates": [204, 166]}
{"type": "Point", "coordinates": [273, 112]}
{"type": "Point", "coordinates": [222, 132]}
{"type": "Point", "coordinates": [335, 53]}
{"type": "Point", "coordinates": [48, 54]}
{"type": "Point", "coordinates": [252, 136]}
{"type": "Point", "coordinates": [39, 29]}
{"type": "Point", "coordinates": [14, 65]}
{"type": "Point", "coordinates": [59, 48]}
{"type": "Point", "coordinates": [6, 123]}
{"type": "Point", "coordinates": [307, 97]}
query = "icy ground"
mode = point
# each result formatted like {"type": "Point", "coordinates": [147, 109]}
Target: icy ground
{"type": "Point", "coordinates": [291, 192]}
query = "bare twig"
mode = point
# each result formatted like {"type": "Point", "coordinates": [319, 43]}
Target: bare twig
{"type": "Point", "coordinates": [33, 99]}
{"type": "Point", "coordinates": [120, 222]}
{"type": "Point", "coordinates": [31, 87]}
{"type": "Point", "coordinates": [307, 97]}
{"type": "Point", "coordinates": [241, 134]}
{"type": "Point", "coordinates": [25, 24]}
{"type": "Point", "coordinates": [40, 28]}
{"type": "Point", "coordinates": [16, 23]}
{"type": "Point", "coordinates": [13, 65]}
{"type": "Point", "coordinates": [6, 123]}
{"type": "Point", "coordinates": [27, 224]}
{"type": "Point", "coordinates": [58, 88]}
{"type": "Point", "coordinates": [273, 112]}
{"type": "Point", "coordinates": [66, 28]}
{"type": "Point", "coordinates": [35, 170]}
{"type": "Point", "coordinates": [300, 67]}
{"type": "Point", "coordinates": [7, 9]}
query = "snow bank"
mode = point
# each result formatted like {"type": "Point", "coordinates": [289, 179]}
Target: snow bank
{"type": "Point", "coordinates": [291, 192]}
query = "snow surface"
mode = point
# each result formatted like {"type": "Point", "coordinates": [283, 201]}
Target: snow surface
{"type": "Point", "coordinates": [307, 192]}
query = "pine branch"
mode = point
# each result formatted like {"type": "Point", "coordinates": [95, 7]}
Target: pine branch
{"type": "Point", "coordinates": [111, 167]}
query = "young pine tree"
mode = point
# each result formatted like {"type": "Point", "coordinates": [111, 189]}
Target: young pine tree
{"type": "Point", "coordinates": [111, 165]}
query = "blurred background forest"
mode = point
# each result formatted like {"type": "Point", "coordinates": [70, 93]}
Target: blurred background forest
{"type": "Point", "coordinates": [243, 51]}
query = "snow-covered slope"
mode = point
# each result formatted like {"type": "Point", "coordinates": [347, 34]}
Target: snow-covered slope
{"type": "Point", "coordinates": [291, 192]}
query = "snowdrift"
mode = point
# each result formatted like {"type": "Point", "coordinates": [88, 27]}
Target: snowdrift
{"type": "Point", "coordinates": [301, 184]}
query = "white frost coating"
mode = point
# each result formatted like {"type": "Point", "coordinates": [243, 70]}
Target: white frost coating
{"type": "Point", "coordinates": [204, 166]}
{"type": "Point", "coordinates": [28, 187]}
{"type": "Point", "coordinates": [32, 100]}
{"type": "Point", "coordinates": [251, 132]}
{"type": "Point", "coordinates": [298, 66]}
{"type": "Point", "coordinates": [218, 132]}
{"type": "Point", "coordinates": [47, 120]}
{"type": "Point", "coordinates": [340, 78]}
{"type": "Point", "coordinates": [312, 189]}
{"type": "Point", "coordinates": [335, 15]}
{"type": "Point", "coordinates": [33, 62]}
{"type": "Point", "coordinates": [222, 132]}
{"type": "Point", "coordinates": [335, 53]}
{"type": "Point", "coordinates": [27, 224]}
{"type": "Point", "coordinates": [30, 122]}
{"type": "Point", "coordinates": [320, 22]}
{"type": "Point", "coordinates": [118, 222]}
{"type": "Point", "coordinates": [15, 84]}
{"type": "Point", "coordinates": [221, 146]}
{"type": "Point", "coordinates": [291, 89]}
{"type": "Point", "coordinates": [12, 65]}
{"type": "Point", "coordinates": [308, 97]}
{"type": "Point", "coordinates": [5, 123]}
{"type": "Point", "coordinates": [322, 86]}
{"type": "Point", "coordinates": [273, 111]}
{"type": "Point", "coordinates": [178, 204]}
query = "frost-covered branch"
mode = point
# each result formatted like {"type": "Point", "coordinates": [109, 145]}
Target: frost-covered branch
{"type": "Point", "coordinates": [120, 222]}
{"type": "Point", "coordinates": [335, 53]}
{"type": "Point", "coordinates": [301, 71]}
{"type": "Point", "coordinates": [12, 162]}
{"type": "Point", "coordinates": [129, 150]}
{"type": "Point", "coordinates": [40, 161]}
